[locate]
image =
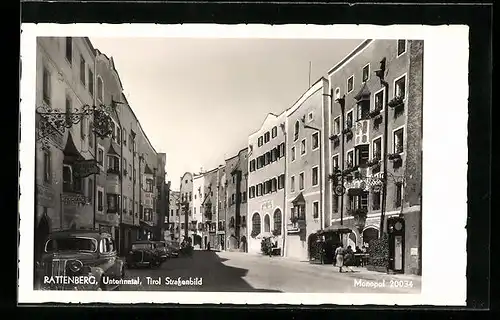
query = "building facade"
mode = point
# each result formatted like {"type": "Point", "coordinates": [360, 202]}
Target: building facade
{"type": "Point", "coordinates": [266, 182]}
{"type": "Point", "coordinates": [305, 170]}
{"type": "Point", "coordinates": [198, 194]}
{"type": "Point", "coordinates": [221, 209]}
{"type": "Point", "coordinates": [65, 68]}
{"type": "Point", "coordinates": [186, 207]}
{"type": "Point", "coordinates": [173, 215]}
{"type": "Point", "coordinates": [374, 128]}
{"type": "Point", "coordinates": [85, 180]}
{"type": "Point", "coordinates": [236, 195]}
{"type": "Point", "coordinates": [209, 206]}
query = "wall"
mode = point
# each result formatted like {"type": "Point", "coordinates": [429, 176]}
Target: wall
{"type": "Point", "coordinates": [270, 203]}
{"type": "Point", "coordinates": [310, 109]}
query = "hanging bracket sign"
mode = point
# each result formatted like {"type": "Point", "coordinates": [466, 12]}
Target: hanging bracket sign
{"type": "Point", "coordinates": [85, 168]}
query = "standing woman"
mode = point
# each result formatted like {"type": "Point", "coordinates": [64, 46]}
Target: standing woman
{"type": "Point", "coordinates": [339, 257]}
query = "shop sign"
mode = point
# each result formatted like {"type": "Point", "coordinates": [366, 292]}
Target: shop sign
{"type": "Point", "coordinates": [85, 168]}
{"type": "Point", "coordinates": [74, 199]}
{"type": "Point", "coordinates": [45, 196]}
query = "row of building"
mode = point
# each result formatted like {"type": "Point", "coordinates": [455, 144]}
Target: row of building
{"type": "Point", "coordinates": [346, 154]}
{"type": "Point", "coordinates": [94, 169]}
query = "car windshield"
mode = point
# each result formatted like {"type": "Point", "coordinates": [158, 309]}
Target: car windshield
{"type": "Point", "coordinates": [71, 244]}
{"type": "Point", "coordinates": [138, 246]}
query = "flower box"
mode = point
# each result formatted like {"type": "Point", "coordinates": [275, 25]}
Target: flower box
{"type": "Point", "coordinates": [334, 137]}
{"type": "Point", "coordinates": [375, 112]}
{"type": "Point", "coordinates": [347, 131]}
{"type": "Point", "coordinates": [396, 102]}
{"type": "Point", "coordinates": [394, 156]}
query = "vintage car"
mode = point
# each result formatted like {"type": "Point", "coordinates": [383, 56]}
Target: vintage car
{"type": "Point", "coordinates": [144, 253]}
{"type": "Point", "coordinates": [161, 247]}
{"type": "Point", "coordinates": [79, 260]}
{"type": "Point", "coordinates": [173, 249]}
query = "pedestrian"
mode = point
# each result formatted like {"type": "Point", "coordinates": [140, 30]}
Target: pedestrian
{"type": "Point", "coordinates": [349, 260]}
{"type": "Point", "coordinates": [208, 246]}
{"type": "Point", "coordinates": [339, 257]}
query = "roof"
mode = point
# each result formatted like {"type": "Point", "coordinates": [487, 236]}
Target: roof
{"type": "Point", "coordinates": [299, 199]}
{"type": "Point", "coordinates": [147, 169]}
{"type": "Point", "coordinates": [354, 52]}
{"type": "Point", "coordinates": [309, 92]}
{"type": "Point", "coordinates": [70, 149]}
{"type": "Point", "coordinates": [363, 93]}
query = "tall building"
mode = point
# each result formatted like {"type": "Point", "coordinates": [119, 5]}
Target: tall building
{"type": "Point", "coordinates": [64, 188]}
{"type": "Point", "coordinates": [198, 196]}
{"type": "Point", "coordinates": [266, 182]}
{"type": "Point", "coordinates": [236, 186]}
{"type": "Point", "coordinates": [221, 208]}
{"type": "Point", "coordinates": [305, 169]}
{"type": "Point", "coordinates": [375, 135]}
{"type": "Point", "coordinates": [209, 206]}
{"type": "Point", "coordinates": [173, 216]}
{"type": "Point", "coordinates": [186, 206]}
{"type": "Point", "coordinates": [84, 179]}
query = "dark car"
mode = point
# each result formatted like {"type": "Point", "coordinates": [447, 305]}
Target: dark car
{"type": "Point", "coordinates": [79, 260]}
{"type": "Point", "coordinates": [173, 249]}
{"type": "Point", "coordinates": [161, 248]}
{"type": "Point", "coordinates": [144, 254]}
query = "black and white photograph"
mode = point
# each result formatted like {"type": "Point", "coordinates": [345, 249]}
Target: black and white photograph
{"type": "Point", "coordinates": [230, 164]}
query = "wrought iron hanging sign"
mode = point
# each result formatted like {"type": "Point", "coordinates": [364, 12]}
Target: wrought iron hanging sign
{"type": "Point", "coordinates": [74, 199]}
{"type": "Point", "coordinates": [85, 168]}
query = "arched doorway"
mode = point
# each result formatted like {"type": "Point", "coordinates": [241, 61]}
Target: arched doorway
{"type": "Point", "coordinates": [277, 222]}
{"type": "Point", "coordinates": [369, 234]}
{"type": "Point", "coordinates": [351, 240]}
{"type": "Point", "coordinates": [267, 223]}
{"type": "Point", "coordinates": [243, 244]}
{"type": "Point", "coordinates": [42, 233]}
{"type": "Point", "coordinates": [312, 246]}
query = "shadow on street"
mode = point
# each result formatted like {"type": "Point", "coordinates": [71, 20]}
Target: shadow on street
{"type": "Point", "coordinates": [207, 265]}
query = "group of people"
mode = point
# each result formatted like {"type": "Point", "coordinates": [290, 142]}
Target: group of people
{"type": "Point", "coordinates": [346, 258]}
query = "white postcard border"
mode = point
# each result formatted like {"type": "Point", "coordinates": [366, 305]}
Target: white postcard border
{"type": "Point", "coordinates": [445, 102]}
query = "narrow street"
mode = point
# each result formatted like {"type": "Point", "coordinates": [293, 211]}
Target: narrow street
{"type": "Point", "coordinates": [240, 272]}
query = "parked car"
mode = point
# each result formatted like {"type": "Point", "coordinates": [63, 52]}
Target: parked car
{"type": "Point", "coordinates": [144, 254]}
{"type": "Point", "coordinates": [76, 255]}
{"type": "Point", "coordinates": [173, 249]}
{"type": "Point", "coordinates": [161, 247]}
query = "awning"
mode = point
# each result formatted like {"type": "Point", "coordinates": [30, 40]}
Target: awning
{"type": "Point", "coordinates": [299, 200]}
{"type": "Point", "coordinates": [338, 229]}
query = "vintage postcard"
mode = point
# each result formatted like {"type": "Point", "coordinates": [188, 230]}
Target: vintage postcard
{"type": "Point", "coordinates": [293, 164]}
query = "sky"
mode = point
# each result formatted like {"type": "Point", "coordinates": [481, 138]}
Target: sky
{"type": "Point", "coordinates": [198, 100]}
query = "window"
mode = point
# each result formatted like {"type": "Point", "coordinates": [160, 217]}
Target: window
{"type": "Point", "coordinates": [274, 185]}
{"type": "Point", "coordinates": [335, 204]}
{"type": "Point", "coordinates": [125, 203]}
{"type": "Point", "coordinates": [296, 132]}
{"type": "Point", "coordinates": [335, 162]}
{"type": "Point", "coordinates": [293, 153]}
{"type": "Point", "coordinates": [350, 159]}
{"type": "Point", "coordinates": [310, 116]}
{"type": "Point", "coordinates": [90, 191]}
{"type": "Point", "coordinates": [281, 182]}
{"type": "Point", "coordinates": [124, 165]}
{"type": "Point", "coordinates": [267, 158]}
{"type": "Point", "coordinates": [251, 192]}
{"type": "Point", "coordinates": [303, 147]}
{"type": "Point", "coordinates": [274, 132]}
{"type": "Point", "coordinates": [91, 134]}
{"type": "Point", "coordinates": [47, 166]}
{"type": "Point", "coordinates": [252, 165]}
{"type": "Point", "coordinates": [400, 87]}
{"type": "Point", "coordinates": [259, 189]}
{"type": "Point", "coordinates": [47, 88]}
{"type": "Point", "coordinates": [113, 164]}
{"type": "Point", "coordinates": [244, 196]}
{"type": "Point", "coordinates": [398, 146]}
{"type": "Point", "coordinates": [377, 148]}
{"type": "Point", "coordinates": [363, 109]}
{"type": "Point", "coordinates": [82, 128]}
{"type": "Point", "coordinates": [91, 82]}
{"type": "Point", "coordinates": [348, 120]}
{"type": "Point", "coordinates": [82, 71]}
{"type": "Point", "coordinates": [362, 155]}
{"type": "Point", "coordinates": [267, 137]}
{"type": "Point", "coordinates": [292, 184]}
{"type": "Point", "coordinates": [68, 109]}
{"type": "Point", "coordinates": [267, 223]}
{"type": "Point", "coordinates": [358, 201]}
{"type": "Point", "coordinates": [130, 142]}
{"type": "Point", "coordinates": [315, 209]}
{"type": "Point", "coordinates": [301, 181]}
{"type": "Point", "coordinates": [100, 198]}
{"type": "Point", "coordinates": [100, 90]}
{"type": "Point", "coordinates": [282, 150]}
{"type": "Point", "coordinates": [69, 49]}
{"type": "Point", "coordinates": [336, 125]}
{"type": "Point", "coordinates": [350, 84]}
{"type": "Point", "coordinates": [100, 156]}
{"type": "Point", "coordinates": [190, 193]}
{"type": "Point", "coordinates": [129, 171]}
{"type": "Point", "coordinates": [337, 93]}
{"type": "Point", "coordinates": [376, 200]}
{"type": "Point", "coordinates": [277, 221]}
{"type": "Point", "coordinates": [315, 176]}
{"type": "Point", "coordinates": [112, 201]}
{"type": "Point", "coordinates": [401, 46]}
{"type": "Point", "coordinates": [124, 137]}
{"type": "Point", "coordinates": [399, 195]}
{"type": "Point", "coordinates": [274, 154]}
{"type": "Point", "coordinates": [260, 141]}
{"type": "Point", "coordinates": [256, 227]}
{"type": "Point", "coordinates": [379, 100]}
{"type": "Point", "coordinates": [118, 134]}
{"type": "Point", "coordinates": [315, 141]}
{"type": "Point", "coordinates": [366, 73]}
